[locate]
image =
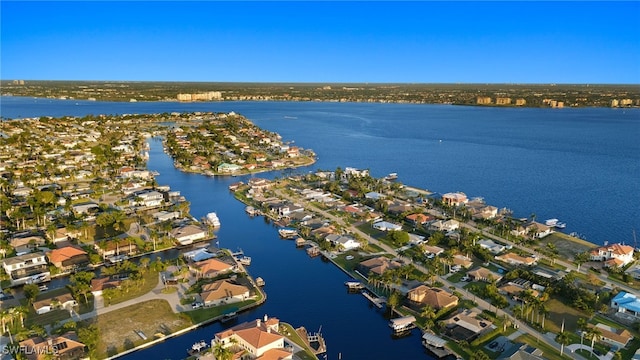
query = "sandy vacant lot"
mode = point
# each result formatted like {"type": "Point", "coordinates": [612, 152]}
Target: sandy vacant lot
{"type": "Point", "coordinates": [117, 328]}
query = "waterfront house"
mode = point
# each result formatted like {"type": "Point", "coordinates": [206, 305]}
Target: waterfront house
{"type": "Point", "coordinates": [85, 208]}
{"type": "Point", "coordinates": [627, 304]}
{"type": "Point", "coordinates": [111, 248]}
{"type": "Point", "coordinates": [616, 338]}
{"type": "Point", "coordinates": [187, 234]}
{"type": "Point", "coordinates": [210, 268]}
{"type": "Point", "coordinates": [226, 168]}
{"type": "Point", "coordinates": [61, 301]}
{"type": "Point", "coordinates": [100, 284]}
{"type": "Point", "coordinates": [165, 215]}
{"type": "Point", "coordinates": [344, 242]}
{"type": "Point", "coordinates": [614, 255]}
{"type": "Point", "coordinates": [223, 292]}
{"type": "Point", "coordinates": [146, 198]}
{"type": "Point", "coordinates": [257, 339]}
{"type": "Point", "coordinates": [515, 259]}
{"type": "Point", "coordinates": [538, 230]}
{"type": "Point", "coordinates": [434, 297]}
{"type": "Point", "coordinates": [454, 199]}
{"type": "Point", "coordinates": [377, 265]}
{"type": "Point", "coordinates": [258, 183]}
{"type": "Point", "coordinates": [68, 258]}
{"type": "Point", "coordinates": [484, 274]}
{"type": "Point", "coordinates": [65, 346]}
{"type": "Point", "coordinates": [466, 325]}
{"type": "Point", "coordinates": [26, 268]}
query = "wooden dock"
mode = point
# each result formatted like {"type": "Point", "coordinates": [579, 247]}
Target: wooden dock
{"type": "Point", "coordinates": [378, 302]}
{"type": "Point", "coordinates": [314, 341]}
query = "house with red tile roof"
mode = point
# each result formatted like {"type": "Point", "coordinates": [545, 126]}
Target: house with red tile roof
{"type": "Point", "coordinates": [257, 339]}
{"type": "Point", "coordinates": [68, 258]}
{"type": "Point", "coordinates": [210, 268]}
{"type": "Point", "coordinates": [614, 255]}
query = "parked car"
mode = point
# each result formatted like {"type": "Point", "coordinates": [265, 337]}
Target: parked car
{"type": "Point", "coordinates": [197, 305]}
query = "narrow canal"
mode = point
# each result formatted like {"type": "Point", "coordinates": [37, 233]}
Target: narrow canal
{"type": "Point", "coordinates": [302, 291]}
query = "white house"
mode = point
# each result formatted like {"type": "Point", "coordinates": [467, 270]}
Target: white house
{"type": "Point", "coordinates": [386, 226]}
{"type": "Point", "coordinates": [346, 242]}
{"type": "Point", "coordinates": [259, 338]}
{"type": "Point", "coordinates": [615, 255]}
{"type": "Point", "coordinates": [148, 198]}
{"type": "Point", "coordinates": [28, 268]}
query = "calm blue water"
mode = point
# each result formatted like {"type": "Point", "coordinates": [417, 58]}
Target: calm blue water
{"type": "Point", "coordinates": [581, 166]}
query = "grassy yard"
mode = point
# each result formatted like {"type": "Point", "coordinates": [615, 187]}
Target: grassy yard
{"type": "Point", "coordinates": [559, 311]}
{"type": "Point", "coordinates": [290, 332]}
{"type": "Point", "coordinates": [151, 279]}
{"type": "Point", "coordinates": [116, 328]}
{"type": "Point", "coordinates": [548, 352]}
{"type": "Point", "coordinates": [566, 245]}
{"type": "Point", "coordinates": [200, 315]}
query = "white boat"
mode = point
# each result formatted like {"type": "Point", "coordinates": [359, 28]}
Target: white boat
{"type": "Point", "coordinates": [560, 225]}
{"type": "Point", "coordinates": [288, 233]}
{"type": "Point", "coordinates": [245, 260]}
{"type": "Point", "coordinates": [391, 177]}
{"type": "Point", "coordinates": [198, 347]}
{"type": "Point", "coordinates": [212, 219]}
{"type": "Point", "coordinates": [551, 222]}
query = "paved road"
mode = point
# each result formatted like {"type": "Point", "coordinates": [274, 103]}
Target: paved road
{"type": "Point", "coordinates": [173, 299]}
{"type": "Point", "coordinates": [481, 303]}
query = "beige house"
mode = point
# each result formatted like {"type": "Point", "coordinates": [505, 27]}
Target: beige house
{"type": "Point", "coordinates": [515, 259]}
{"type": "Point", "coordinates": [434, 297]}
{"type": "Point", "coordinates": [223, 292]}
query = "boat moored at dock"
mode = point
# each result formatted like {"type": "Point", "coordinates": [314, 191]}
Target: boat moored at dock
{"type": "Point", "coordinates": [287, 233]}
{"type": "Point", "coordinates": [402, 324]}
{"type": "Point", "coordinates": [198, 347]}
{"type": "Point", "coordinates": [212, 219]}
{"type": "Point", "coordinates": [354, 285]}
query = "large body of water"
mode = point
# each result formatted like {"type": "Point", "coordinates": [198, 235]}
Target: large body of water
{"type": "Point", "coordinates": [581, 166]}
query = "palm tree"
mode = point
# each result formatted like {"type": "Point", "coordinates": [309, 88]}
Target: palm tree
{"type": "Point", "coordinates": [429, 313]}
{"type": "Point", "coordinates": [563, 339]}
{"type": "Point", "coordinates": [221, 353]}
{"type": "Point", "coordinates": [593, 333]}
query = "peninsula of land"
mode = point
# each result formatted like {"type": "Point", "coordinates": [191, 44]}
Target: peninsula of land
{"type": "Point", "coordinates": [501, 95]}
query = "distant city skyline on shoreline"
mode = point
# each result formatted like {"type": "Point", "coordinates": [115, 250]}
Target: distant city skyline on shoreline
{"type": "Point", "coordinates": [517, 43]}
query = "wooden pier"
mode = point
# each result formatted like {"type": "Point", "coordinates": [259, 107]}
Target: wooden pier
{"type": "Point", "coordinates": [314, 341]}
{"type": "Point", "coordinates": [378, 302]}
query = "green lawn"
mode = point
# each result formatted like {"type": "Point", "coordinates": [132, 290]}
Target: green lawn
{"type": "Point", "coordinates": [548, 352]}
{"type": "Point", "coordinates": [290, 332]}
{"type": "Point", "coordinates": [200, 315]}
{"type": "Point", "coordinates": [151, 279]}
{"type": "Point", "coordinates": [558, 312]}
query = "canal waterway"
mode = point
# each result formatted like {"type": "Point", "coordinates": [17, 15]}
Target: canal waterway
{"type": "Point", "coordinates": [302, 291]}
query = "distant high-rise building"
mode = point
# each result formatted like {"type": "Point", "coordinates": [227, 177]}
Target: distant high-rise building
{"type": "Point", "coordinates": [615, 103]}
{"type": "Point", "coordinates": [483, 100]}
{"type": "Point", "coordinates": [521, 102]}
{"type": "Point", "coordinates": [206, 96]}
{"type": "Point", "coordinates": [503, 101]}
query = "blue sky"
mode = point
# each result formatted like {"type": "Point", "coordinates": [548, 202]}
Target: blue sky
{"type": "Point", "coordinates": [409, 42]}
